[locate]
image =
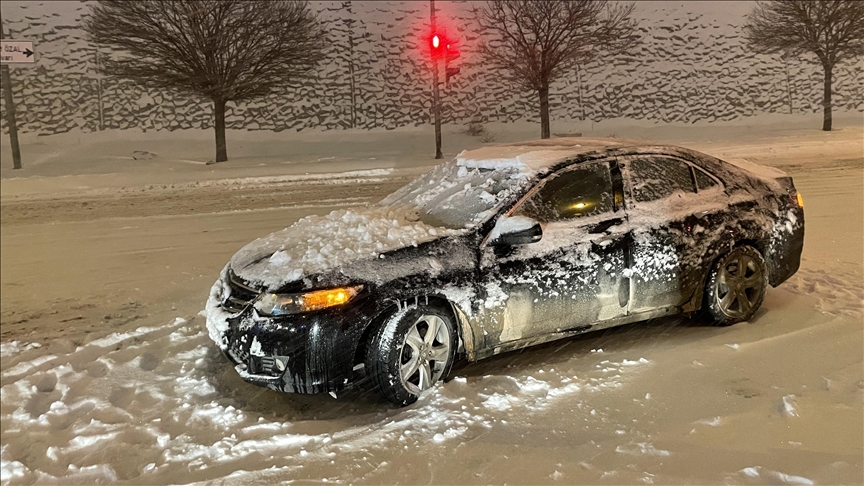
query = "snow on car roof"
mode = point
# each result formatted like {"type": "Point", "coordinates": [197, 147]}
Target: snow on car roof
{"type": "Point", "coordinates": [764, 172]}
{"type": "Point", "coordinates": [535, 155]}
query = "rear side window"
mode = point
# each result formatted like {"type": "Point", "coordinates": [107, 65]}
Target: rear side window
{"type": "Point", "coordinates": [584, 190]}
{"type": "Point", "coordinates": [703, 180]}
{"type": "Point", "coordinates": [655, 178]}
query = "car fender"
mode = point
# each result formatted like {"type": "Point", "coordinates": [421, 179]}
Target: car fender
{"type": "Point", "coordinates": [463, 324]}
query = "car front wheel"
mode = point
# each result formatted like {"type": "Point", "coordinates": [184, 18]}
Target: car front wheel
{"type": "Point", "coordinates": [736, 286]}
{"type": "Point", "coordinates": [411, 351]}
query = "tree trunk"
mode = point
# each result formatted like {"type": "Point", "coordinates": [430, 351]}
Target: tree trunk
{"type": "Point", "coordinates": [826, 99]}
{"type": "Point", "coordinates": [221, 149]}
{"type": "Point", "coordinates": [544, 111]}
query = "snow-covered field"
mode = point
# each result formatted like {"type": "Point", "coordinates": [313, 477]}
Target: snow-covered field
{"type": "Point", "coordinates": [107, 373]}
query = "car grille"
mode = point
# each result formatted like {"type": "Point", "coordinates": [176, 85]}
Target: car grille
{"type": "Point", "coordinates": [237, 352]}
{"type": "Point", "coordinates": [263, 365]}
{"type": "Point", "coordinates": [256, 365]}
{"type": "Point", "coordinates": [240, 294]}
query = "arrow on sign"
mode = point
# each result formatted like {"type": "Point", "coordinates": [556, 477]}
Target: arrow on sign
{"type": "Point", "coordinates": [17, 52]}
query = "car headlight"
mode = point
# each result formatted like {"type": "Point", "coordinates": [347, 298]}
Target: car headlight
{"type": "Point", "coordinates": [285, 304]}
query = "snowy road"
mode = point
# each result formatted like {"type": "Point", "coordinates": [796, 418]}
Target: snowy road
{"type": "Point", "coordinates": [668, 401]}
{"type": "Point", "coordinates": [125, 385]}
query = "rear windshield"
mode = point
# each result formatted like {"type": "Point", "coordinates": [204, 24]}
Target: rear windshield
{"type": "Point", "coordinates": [456, 197]}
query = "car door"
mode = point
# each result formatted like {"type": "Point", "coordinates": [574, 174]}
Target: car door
{"type": "Point", "coordinates": [574, 276]}
{"type": "Point", "coordinates": [665, 212]}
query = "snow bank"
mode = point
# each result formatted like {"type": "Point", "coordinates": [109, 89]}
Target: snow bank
{"type": "Point", "coordinates": [12, 348]}
{"type": "Point", "coordinates": [324, 178]}
{"type": "Point", "coordinates": [762, 475]}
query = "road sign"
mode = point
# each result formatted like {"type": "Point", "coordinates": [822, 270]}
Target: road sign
{"type": "Point", "coordinates": [17, 52]}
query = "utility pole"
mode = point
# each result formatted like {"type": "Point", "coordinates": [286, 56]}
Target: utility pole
{"type": "Point", "coordinates": [786, 56]}
{"type": "Point", "coordinates": [99, 105]}
{"type": "Point", "coordinates": [581, 101]}
{"type": "Point", "coordinates": [352, 83]}
{"type": "Point", "coordinates": [10, 109]}
{"type": "Point", "coordinates": [436, 96]}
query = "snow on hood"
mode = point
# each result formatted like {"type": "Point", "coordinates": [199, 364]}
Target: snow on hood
{"type": "Point", "coordinates": [316, 244]}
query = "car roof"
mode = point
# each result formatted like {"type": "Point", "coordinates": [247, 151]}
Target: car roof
{"type": "Point", "coordinates": [535, 156]}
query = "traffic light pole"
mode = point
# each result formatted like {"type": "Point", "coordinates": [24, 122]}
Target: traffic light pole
{"type": "Point", "coordinates": [436, 95]}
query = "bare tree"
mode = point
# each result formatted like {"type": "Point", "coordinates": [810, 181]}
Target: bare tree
{"type": "Point", "coordinates": [535, 42]}
{"type": "Point", "coordinates": [833, 30]}
{"type": "Point", "coordinates": [221, 50]}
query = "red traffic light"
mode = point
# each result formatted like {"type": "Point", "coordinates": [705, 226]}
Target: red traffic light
{"type": "Point", "coordinates": [436, 41]}
{"type": "Point", "coordinates": [451, 54]}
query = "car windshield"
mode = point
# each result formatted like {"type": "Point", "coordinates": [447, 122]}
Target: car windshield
{"type": "Point", "coordinates": [456, 197]}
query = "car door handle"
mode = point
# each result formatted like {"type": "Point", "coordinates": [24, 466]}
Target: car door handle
{"type": "Point", "coordinates": [605, 225]}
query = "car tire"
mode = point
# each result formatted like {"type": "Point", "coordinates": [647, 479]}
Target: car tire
{"type": "Point", "coordinates": [732, 296]}
{"type": "Point", "coordinates": [410, 351]}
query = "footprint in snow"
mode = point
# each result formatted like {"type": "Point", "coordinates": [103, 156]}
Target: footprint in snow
{"type": "Point", "coordinates": [149, 361]}
{"type": "Point", "coordinates": [122, 396]}
{"type": "Point", "coordinates": [98, 369]}
{"type": "Point", "coordinates": [46, 382]}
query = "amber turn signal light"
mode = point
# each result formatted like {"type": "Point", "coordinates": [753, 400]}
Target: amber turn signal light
{"type": "Point", "coordinates": [322, 299]}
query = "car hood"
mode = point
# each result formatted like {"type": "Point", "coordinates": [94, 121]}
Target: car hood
{"type": "Point", "coordinates": [319, 244]}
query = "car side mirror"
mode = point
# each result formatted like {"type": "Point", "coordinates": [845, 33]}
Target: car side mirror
{"type": "Point", "coordinates": [515, 230]}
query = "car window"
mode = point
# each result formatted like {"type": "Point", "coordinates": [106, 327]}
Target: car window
{"type": "Point", "coordinates": [658, 177]}
{"type": "Point", "coordinates": [703, 180]}
{"type": "Point", "coordinates": [584, 190]}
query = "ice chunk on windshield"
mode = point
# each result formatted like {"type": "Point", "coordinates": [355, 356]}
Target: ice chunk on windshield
{"type": "Point", "coordinates": [457, 197]}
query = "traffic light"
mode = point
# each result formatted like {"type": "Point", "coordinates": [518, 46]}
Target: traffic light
{"type": "Point", "coordinates": [437, 41]}
{"type": "Point", "coordinates": [442, 46]}
{"type": "Point", "coordinates": [450, 55]}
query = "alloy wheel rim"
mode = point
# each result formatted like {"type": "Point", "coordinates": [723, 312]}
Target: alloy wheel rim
{"type": "Point", "coordinates": [424, 353]}
{"type": "Point", "coordinates": [739, 285]}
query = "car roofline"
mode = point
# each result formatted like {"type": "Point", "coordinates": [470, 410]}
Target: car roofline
{"type": "Point", "coordinates": [541, 157]}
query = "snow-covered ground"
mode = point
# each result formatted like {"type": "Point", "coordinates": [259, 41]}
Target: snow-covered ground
{"type": "Point", "coordinates": [107, 372]}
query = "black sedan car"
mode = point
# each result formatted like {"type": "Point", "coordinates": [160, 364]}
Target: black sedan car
{"type": "Point", "coordinates": [502, 248]}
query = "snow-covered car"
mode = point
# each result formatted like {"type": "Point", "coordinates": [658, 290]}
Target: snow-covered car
{"type": "Point", "coordinates": [502, 248]}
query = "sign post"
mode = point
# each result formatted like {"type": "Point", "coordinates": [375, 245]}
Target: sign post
{"type": "Point", "coordinates": [13, 52]}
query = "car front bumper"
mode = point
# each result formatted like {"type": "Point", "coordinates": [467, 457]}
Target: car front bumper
{"type": "Point", "coordinates": [304, 353]}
